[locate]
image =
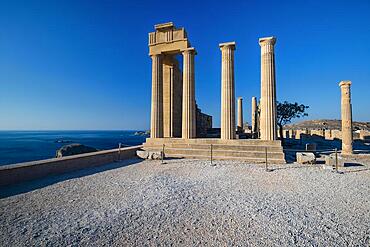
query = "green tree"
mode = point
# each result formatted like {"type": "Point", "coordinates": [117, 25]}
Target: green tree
{"type": "Point", "coordinates": [286, 112]}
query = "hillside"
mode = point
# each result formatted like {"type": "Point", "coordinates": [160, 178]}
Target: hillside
{"type": "Point", "coordinates": [327, 124]}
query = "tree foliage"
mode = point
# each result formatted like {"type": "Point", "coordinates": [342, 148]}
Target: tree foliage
{"type": "Point", "coordinates": [287, 111]}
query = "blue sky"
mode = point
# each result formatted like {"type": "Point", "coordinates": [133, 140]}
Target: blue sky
{"type": "Point", "coordinates": [85, 64]}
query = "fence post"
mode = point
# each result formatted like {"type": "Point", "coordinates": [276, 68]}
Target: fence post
{"type": "Point", "coordinates": [119, 151]}
{"type": "Point", "coordinates": [336, 160]}
{"type": "Point", "coordinates": [163, 154]}
{"type": "Point", "coordinates": [266, 158]}
{"type": "Point", "coordinates": [211, 154]}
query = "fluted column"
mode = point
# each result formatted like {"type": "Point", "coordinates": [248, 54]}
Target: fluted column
{"type": "Point", "coordinates": [240, 114]}
{"type": "Point", "coordinates": [268, 126]}
{"type": "Point", "coordinates": [156, 121]}
{"type": "Point", "coordinates": [346, 107]}
{"type": "Point", "coordinates": [188, 95]}
{"type": "Point", "coordinates": [227, 91]}
{"type": "Point", "coordinates": [254, 117]}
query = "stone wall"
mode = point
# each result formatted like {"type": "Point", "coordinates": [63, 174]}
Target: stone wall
{"type": "Point", "coordinates": [328, 134]}
{"type": "Point", "coordinates": [21, 172]}
{"type": "Point", "coordinates": [204, 122]}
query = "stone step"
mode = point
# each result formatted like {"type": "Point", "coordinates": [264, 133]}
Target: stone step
{"type": "Point", "coordinates": [218, 147]}
{"type": "Point", "coordinates": [245, 159]}
{"type": "Point", "coordinates": [236, 142]}
{"type": "Point", "coordinates": [221, 153]}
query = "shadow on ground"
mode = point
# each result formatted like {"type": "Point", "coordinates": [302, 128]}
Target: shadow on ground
{"type": "Point", "coordinates": [28, 186]}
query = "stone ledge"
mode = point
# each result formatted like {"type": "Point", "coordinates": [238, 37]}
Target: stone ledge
{"type": "Point", "coordinates": [20, 172]}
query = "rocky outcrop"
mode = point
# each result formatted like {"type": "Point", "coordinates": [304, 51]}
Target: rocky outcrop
{"type": "Point", "coordinates": [74, 149]}
{"type": "Point", "coordinates": [326, 124]}
{"type": "Point", "coordinates": [142, 133]}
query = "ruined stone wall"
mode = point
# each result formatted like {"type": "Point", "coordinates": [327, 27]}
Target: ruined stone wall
{"type": "Point", "coordinates": [204, 122]}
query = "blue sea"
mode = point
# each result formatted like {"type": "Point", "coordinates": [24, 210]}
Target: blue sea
{"type": "Point", "coordinates": [22, 146]}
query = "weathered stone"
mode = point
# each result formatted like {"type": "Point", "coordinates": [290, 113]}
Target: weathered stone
{"type": "Point", "coordinates": [330, 160]}
{"type": "Point", "coordinates": [240, 115]}
{"type": "Point", "coordinates": [268, 127]}
{"type": "Point", "coordinates": [306, 158]}
{"type": "Point", "coordinates": [142, 154]}
{"type": "Point", "coordinates": [326, 167]}
{"type": "Point", "coordinates": [156, 155]}
{"type": "Point", "coordinates": [254, 118]}
{"type": "Point", "coordinates": [188, 93]}
{"type": "Point", "coordinates": [346, 108]}
{"type": "Point", "coordinates": [151, 155]}
{"type": "Point", "coordinates": [227, 91]}
{"type": "Point", "coordinates": [156, 123]}
{"type": "Point", "coordinates": [74, 149]}
{"type": "Point", "coordinates": [204, 123]}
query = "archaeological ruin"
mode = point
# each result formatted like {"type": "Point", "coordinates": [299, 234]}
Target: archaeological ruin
{"type": "Point", "coordinates": [175, 117]}
{"type": "Point", "coordinates": [180, 127]}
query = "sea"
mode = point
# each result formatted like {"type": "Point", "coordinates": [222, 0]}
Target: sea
{"type": "Point", "coordinates": [23, 146]}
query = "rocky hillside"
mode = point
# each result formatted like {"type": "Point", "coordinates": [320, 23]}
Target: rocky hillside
{"type": "Point", "coordinates": [327, 124]}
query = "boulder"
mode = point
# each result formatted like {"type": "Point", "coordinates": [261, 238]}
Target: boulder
{"type": "Point", "coordinates": [305, 158]}
{"type": "Point", "coordinates": [73, 149]}
{"type": "Point", "coordinates": [151, 155]}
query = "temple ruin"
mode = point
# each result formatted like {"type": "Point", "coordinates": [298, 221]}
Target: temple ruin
{"type": "Point", "coordinates": [175, 116]}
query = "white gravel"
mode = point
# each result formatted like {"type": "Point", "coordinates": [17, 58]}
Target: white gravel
{"type": "Point", "coordinates": [191, 203]}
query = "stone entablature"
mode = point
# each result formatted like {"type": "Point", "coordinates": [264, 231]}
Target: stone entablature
{"type": "Point", "coordinates": [168, 38]}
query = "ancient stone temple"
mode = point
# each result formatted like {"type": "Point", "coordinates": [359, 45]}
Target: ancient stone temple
{"type": "Point", "coordinates": [168, 84]}
{"type": "Point", "coordinates": [180, 128]}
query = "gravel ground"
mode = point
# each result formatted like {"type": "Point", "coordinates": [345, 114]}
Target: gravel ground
{"type": "Point", "coordinates": [190, 203]}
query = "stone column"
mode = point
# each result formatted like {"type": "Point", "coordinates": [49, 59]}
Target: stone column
{"type": "Point", "coordinates": [268, 126]}
{"type": "Point", "coordinates": [227, 91]}
{"type": "Point", "coordinates": [156, 121]}
{"type": "Point", "coordinates": [240, 114]}
{"type": "Point", "coordinates": [188, 95]}
{"type": "Point", "coordinates": [346, 107]}
{"type": "Point", "coordinates": [254, 117]}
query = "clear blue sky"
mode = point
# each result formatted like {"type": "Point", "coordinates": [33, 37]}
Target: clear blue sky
{"type": "Point", "coordinates": [85, 65]}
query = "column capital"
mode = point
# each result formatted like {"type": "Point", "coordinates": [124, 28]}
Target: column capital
{"type": "Point", "coordinates": [240, 98]}
{"type": "Point", "coordinates": [267, 41]}
{"type": "Point", "coordinates": [189, 50]}
{"type": "Point", "coordinates": [345, 83]}
{"type": "Point", "coordinates": [231, 45]}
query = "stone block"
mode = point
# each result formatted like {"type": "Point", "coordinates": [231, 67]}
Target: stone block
{"type": "Point", "coordinates": [151, 155]}
{"type": "Point", "coordinates": [311, 147]}
{"type": "Point", "coordinates": [142, 154]}
{"type": "Point", "coordinates": [306, 158]}
{"type": "Point", "coordinates": [326, 167]}
{"type": "Point", "coordinates": [156, 155]}
{"type": "Point", "coordinates": [330, 160]}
